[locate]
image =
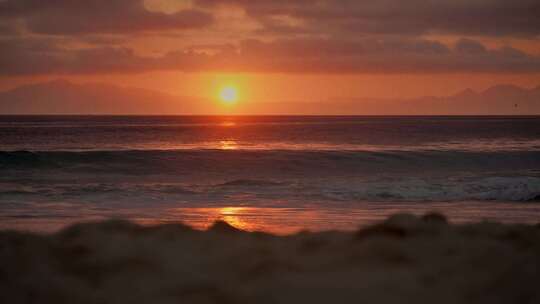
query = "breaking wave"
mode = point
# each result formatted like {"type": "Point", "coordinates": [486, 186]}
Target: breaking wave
{"type": "Point", "coordinates": [277, 160]}
{"type": "Point", "coordinates": [255, 176]}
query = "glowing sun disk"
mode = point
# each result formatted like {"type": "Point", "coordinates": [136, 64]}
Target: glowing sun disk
{"type": "Point", "coordinates": [228, 94]}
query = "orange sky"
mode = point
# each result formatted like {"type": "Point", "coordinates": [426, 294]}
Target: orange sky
{"type": "Point", "coordinates": [286, 87]}
{"type": "Point", "coordinates": [274, 50]}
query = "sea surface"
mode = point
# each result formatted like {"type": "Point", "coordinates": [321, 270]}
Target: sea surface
{"type": "Point", "coordinates": [274, 173]}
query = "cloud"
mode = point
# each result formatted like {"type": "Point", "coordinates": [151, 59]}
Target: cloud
{"type": "Point", "coordinates": [314, 17]}
{"type": "Point", "coordinates": [414, 17]}
{"type": "Point", "coordinates": [302, 36]}
{"type": "Point", "coordinates": [391, 55]}
{"type": "Point", "coordinates": [67, 17]}
{"type": "Point", "coordinates": [44, 56]}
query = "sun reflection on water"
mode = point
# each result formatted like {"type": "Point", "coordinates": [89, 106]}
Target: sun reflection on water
{"type": "Point", "coordinates": [228, 124]}
{"type": "Point", "coordinates": [239, 217]}
{"type": "Point", "coordinates": [228, 145]}
{"type": "Point", "coordinates": [274, 220]}
{"type": "Point", "coordinates": [234, 217]}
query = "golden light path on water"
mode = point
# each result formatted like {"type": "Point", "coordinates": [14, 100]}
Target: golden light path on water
{"type": "Point", "coordinates": [277, 216]}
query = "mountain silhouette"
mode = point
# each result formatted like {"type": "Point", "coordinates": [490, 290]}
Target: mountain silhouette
{"type": "Point", "coordinates": [65, 97]}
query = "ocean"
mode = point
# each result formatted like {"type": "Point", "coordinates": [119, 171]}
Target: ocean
{"type": "Point", "coordinates": [274, 173]}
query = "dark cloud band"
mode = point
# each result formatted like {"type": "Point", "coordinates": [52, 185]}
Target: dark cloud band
{"type": "Point", "coordinates": [24, 57]}
{"type": "Point", "coordinates": [66, 17]}
{"type": "Point", "coordinates": [302, 36]}
{"type": "Point", "coordinates": [478, 17]}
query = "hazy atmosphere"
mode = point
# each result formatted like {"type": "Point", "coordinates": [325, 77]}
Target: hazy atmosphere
{"type": "Point", "coordinates": [274, 53]}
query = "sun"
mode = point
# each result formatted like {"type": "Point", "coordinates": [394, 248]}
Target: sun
{"type": "Point", "coordinates": [228, 94]}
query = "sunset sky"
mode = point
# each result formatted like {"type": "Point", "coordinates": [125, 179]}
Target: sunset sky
{"type": "Point", "coordinates": [274, 50]}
